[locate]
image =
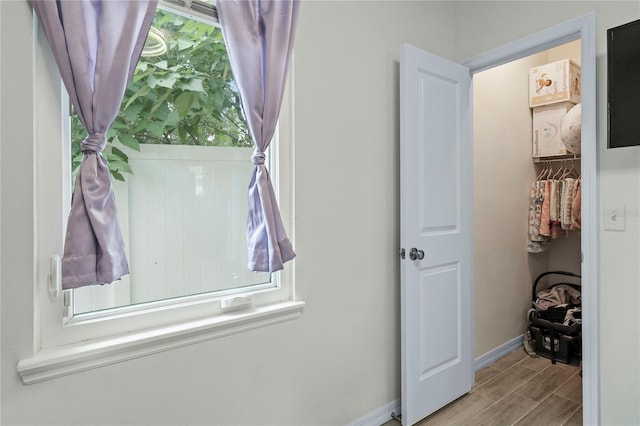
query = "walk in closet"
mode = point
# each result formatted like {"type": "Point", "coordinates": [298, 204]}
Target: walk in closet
{"type": "Point", "coordinates": [504, 169]}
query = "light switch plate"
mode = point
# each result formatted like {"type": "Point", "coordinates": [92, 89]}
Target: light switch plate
{"type": "Point", "coordinates": [615, 218]}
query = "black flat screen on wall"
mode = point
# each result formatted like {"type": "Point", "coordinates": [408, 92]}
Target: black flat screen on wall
{"type": "Point", "coordinates": [623, 85]}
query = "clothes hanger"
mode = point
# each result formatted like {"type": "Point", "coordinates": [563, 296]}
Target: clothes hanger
{"type": "Point", "coordinates": [549, 170]}
{"type": "Point", "coordinates": [559, 172]}
{"type": "Point", "coordinates": [571, 172]}
{"type": "Point", "coordinates": [542, 171]}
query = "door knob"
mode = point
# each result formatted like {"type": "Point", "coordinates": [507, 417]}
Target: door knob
{"type": "Point", "coordinates": [414, 254]}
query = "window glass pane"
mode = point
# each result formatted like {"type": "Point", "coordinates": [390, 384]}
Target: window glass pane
{"type": "Point", "coordinates": [179, 154]}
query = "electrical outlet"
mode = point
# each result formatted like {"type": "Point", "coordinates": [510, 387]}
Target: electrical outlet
{"type": "Point", "coordinates": [615, 218]}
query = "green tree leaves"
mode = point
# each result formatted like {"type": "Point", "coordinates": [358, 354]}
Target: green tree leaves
{"type": "Point", "coordinates": [186, 96]}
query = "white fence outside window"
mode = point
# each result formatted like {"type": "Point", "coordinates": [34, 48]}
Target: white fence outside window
{"type": "Point", "coordinates": [183, 215]}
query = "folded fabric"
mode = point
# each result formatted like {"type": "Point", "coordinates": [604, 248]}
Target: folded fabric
{"type": "Point", "coordinates": [572, 317]}
{"type": "Point", "coordinates": [557, 295]}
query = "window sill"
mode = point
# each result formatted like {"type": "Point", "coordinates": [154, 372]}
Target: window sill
{"type": "Point", "coordinates": [56, 362]}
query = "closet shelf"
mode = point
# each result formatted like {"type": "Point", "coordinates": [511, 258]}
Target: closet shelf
{"type": "Point", "coordinates": [556, 158]}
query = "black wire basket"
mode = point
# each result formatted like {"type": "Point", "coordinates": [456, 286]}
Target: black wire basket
{"type": "Point", "coordinates": [553, 339]}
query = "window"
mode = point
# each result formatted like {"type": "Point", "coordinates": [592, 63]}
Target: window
{"type": "Point", "coordinates": [182, 210]}
{"type": "Point", "coordinates": [180, 147]}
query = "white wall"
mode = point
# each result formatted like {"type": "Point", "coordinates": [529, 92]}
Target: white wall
{"type": "Point", "coordinates": [503, 173]}
{"type": "Point", "coordinates": [339, 361]}
{"type": "Point", "coordinates": [16, 165]}
{"type": "Point", "coordinates": [618, 178]}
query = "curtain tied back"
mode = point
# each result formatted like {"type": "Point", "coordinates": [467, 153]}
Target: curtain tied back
{"type": "Point", "coordinates": [258, 158]}
{"type": "Point", "coordinates": [259, 37]}
{"type": "Point", "coordinates": [94, 143]}
{"type": "Point", "coordinates": [96, 45]}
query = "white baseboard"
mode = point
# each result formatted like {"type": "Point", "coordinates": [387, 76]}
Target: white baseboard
{"type": "Point", "coordinates": [497, 353]}
{"type": "Point", "coordinates": [379, 416]}
{"type": "Point", "coordinates": [382, 415]}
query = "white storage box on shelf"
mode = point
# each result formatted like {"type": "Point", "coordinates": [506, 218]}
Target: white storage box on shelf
{"type": "Point", "coordinates": [547, 123]}
{"type": "Point", "coordinates": [554, 83]}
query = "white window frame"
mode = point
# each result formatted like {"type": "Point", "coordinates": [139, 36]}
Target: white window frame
{"type": "Point", "coordinates": [66, 346]}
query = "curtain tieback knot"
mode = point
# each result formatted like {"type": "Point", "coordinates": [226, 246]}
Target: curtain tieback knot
{"type": "Point", "coordinates": [258, 158]}
{"type": "Point", "coordinates": [94, 143]}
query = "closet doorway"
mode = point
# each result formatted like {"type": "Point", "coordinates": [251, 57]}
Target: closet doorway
{"type": "Point", "coordinates": [577, 252]}
{"type": "Point", "coordinates": [505, 263]}
{"type": "Point", "coordinates": [422, 367]}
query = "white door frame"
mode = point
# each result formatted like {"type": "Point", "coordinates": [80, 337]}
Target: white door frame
{"type": "Point", "coordinates": [583, 28]}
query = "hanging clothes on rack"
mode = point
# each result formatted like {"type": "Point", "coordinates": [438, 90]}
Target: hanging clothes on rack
{"type": "Point", "coordinates": [536, 243]}
{"type": "Point", "coordinates": [554, 205]}
{"type": "Point", "coordinates": [545, 214]}
{"type": "Point", "coordinates": [566, 202]}
{"type": "Point", "coordinates": [556, 227]}
{"type": "Point", "coordinates": [576, 212]}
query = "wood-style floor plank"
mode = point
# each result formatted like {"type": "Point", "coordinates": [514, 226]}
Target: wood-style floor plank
{"type": "Point", "coordinates": [484, 375]}
{"type": "Point", "coordinates": [554, 410]}
{"type": "Point", "coordinates": [505, 382]}
{"type": "Point", "coordinates": [510, 360]}
{"type": "Point", "coordinates": [575, 419]}
{"type": "Point", "coordinates": [458, 412]}
{"type": "Point", "coordinates": [571, 389]}
{"type": "Point", "coordinates": [537, 364]}
{"type": "Point", "coordinates": [505, 394]}
{"type": "Point", "coordinates": [544, 383]}
{"type": "Point", "coordinates": [507, 411]}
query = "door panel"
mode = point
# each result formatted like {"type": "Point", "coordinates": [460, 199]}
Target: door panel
{"type": "Point", "coordinates": [436, 218]}
{"type": "Point", "coordinates": [438, 350]}
{"type": "Point", "coordinates": [436, 120]}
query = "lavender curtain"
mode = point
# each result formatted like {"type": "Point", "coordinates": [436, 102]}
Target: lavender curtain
{"type": "Point", "coordinates": [96, 44]}
{"type": "Point", "coordinates": [259, 36]}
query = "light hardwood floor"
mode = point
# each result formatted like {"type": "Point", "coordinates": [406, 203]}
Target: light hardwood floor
{"type": "Point", "coordinates": [516, 390]}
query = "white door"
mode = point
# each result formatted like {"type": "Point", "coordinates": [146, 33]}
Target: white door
{"type": "Point", "coordinates": [436, 232]}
